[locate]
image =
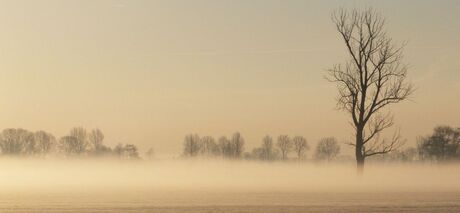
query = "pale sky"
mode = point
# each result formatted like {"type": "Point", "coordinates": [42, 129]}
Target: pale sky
{"type": "Point", "coordinates": [149, 72]}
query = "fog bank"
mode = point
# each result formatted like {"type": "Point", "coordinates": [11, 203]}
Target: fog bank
{"type": "Point", "coordinates": [220, 176]}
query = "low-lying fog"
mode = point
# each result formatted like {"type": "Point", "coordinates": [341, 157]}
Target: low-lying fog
{"type": "Point", "coordinates": [216, 175]}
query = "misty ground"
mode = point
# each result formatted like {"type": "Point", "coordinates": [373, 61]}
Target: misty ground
{"type": "Point", "coordinates": [222, 186]}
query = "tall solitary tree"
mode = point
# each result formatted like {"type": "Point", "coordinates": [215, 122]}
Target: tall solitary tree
{"type": "Point", "coordinates": [373, 78]}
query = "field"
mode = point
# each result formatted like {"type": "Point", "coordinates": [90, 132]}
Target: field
{"type": "Point", "coordinates": [176, 186]}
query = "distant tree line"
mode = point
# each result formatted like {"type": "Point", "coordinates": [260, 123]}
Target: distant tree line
{"type": "Point", "coordinates": [233, 148]}
{"type": "Point", "coordinates": [77, 143]}
{"type": "Point", "coordinates": [442, 146]}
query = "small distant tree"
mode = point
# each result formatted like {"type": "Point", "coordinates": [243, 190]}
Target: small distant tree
{"type": "Point", "coordinates": [118, 150]}
{"type": "Point", "coordinates": [17, 142]}
{"type": "Point", "coordinates": [96, 139]}
{"type": "Point", "coordinates": [80, 135]}
{"type": "Point", "coordinates": [131, 152]}
{"type": "Point", "coordinates": [300, 146]}
{"type": "Point", "coordinates": [45, 142]}
{"type": "Point", "coordinates": [126, 152]}
{"type": "Point", "coordinates": [69, 145]}
{"type": "Point", "coordinates": [285, 145]}
{"type": "Point", "coordinates": [237, 144]}
{"type": "Point", "coordinates": [192, 145]}
{"type": "Point", "coordinates": [442, 145]}
{"type": "Point", "coordinates": [225, 147]}
{"type": "Point", "coordinates": [209, 146]}
{"type": "Point", "coordinates": [327, 149]}
{"type": "Point", "coordinates": [268, 149]}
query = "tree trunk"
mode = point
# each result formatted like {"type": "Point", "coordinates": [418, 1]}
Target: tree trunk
{"type": "Point", "coordinates": [360, 165]}
{"type": "Point", "coordinates": [359, 151]}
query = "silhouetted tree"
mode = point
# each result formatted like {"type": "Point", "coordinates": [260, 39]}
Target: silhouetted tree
{"type": "Point", "coordinates": [237, 144]}
{"type": "Point", "coordinates": [327, 149]}
{"type": "Point", "coordinates": [69, 145]}
{"type": "Point", "coordinates": [266, 152]}
{"type": "Point", "coordinates": [442, 145]}
{"type": "Point", "coordinates": [300, 146]}
{"type": "Point", "coordinates": [268, 149]}
{"type": "Point", "coordinates": [17, 142]}
{"type": "Point", "coordinates": [209, 146]}
{"type": "Point", "coordinates": [44, 142]}
{"type": "Point", "coordinates": [192, 145]}
{"type": "Point", "coordinates": [80, 141]}
{"type": "Point", "coordinates": [126, 152]}
{"type": "Point", "coordinates": [373, 78]}
{"type": "Point", "coordinates": [96, 139]}
{"type": "Point", "coordinates": [225, 147]}
{"type": "Point", "coordinates": [285, 145]}
{"type": "Point", "coordinates": [118, 150]}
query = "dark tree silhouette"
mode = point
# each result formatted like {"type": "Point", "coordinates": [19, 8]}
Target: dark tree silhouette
{"type": "Point", "coordinates": [225, 147]}
{"type": "Point", "coordinates": [44, 142]}
{"type": "Point", "coordinates": [372, 79]}
{"type": "Point", "coordinates": [300, 146]}
{"type": "Point", "coordinates": [285, 145]}
{"type": "Point", "coordinates": [80, 145]}
{"type": "Point", "coordinates": [327, 149]}
{"type": "Point", "coordinates": [17, 142]}
{"type": "Point", "coordinates": [69, 145]}
{"type": "Point", "coordinates": [96, 139]}
{"type": "Point", "coordinates": [208, 146]}
{"type": "Point", "coordinates": [237, 144]}
{"type": "Point", "coordinates": [442, 145]}
{"type": "Point", "coordinates": [268, 149]}
{"type": "Point", "coordinates": [192, 145]}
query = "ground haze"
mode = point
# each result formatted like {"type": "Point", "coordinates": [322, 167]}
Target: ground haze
{"type": "Point", "coordinates": [223, 186]}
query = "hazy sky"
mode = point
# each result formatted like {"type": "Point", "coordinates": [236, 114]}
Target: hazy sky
{"type": "Point", "coordinates": [149, 72]}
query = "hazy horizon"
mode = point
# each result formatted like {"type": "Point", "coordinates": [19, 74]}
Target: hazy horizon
{"type": "Point", "coordinates": [150, 72]}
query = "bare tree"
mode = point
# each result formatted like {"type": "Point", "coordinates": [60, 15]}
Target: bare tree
{"type": "Point", "coordinates": [192, 145]}
{"type": "Point", "coordinates": [81, 137]}
{"type": "Point", "coordinates": [45, 142]}
{"type": "Point", "coordinates": [28, 140]}
{"type": "Point", "coordinates": [225, 147]}
{"type": "Point", "coordinates": [327, 149]}
{"type": "Point", "coordinates": [96, 138]}
{"type": "Point", "coordinates": [443, 145]}
{"type": "Point", "coordinates": [285, 145]}
{"type": "Point", "coordinates": [17, 142]}
{"type": "Point", "coordinates": [373, 78]}
{"type": "Point", "coordinates": [209, 146]}
{"type": "Point", "coordinates": [69, 145]}
{"type": "Point", "coordinates": [268, 149]}
{"type": "Point", "coordinates": [300, 146]}
{"type": "Point", "coordinates": [238, 144]}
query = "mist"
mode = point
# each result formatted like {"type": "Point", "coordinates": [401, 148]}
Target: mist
{"type": "Point", "coordinates": [22, 175]}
